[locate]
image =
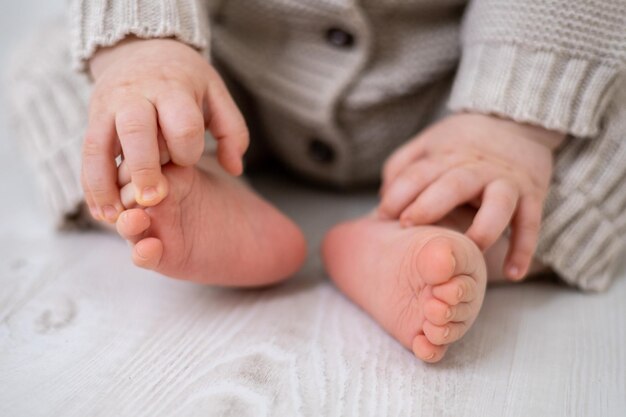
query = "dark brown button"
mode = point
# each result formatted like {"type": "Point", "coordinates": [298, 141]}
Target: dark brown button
{"type": "Point", "coordinates": [339, 38]}
{"type": "Point", "coordinates": [321, 152]}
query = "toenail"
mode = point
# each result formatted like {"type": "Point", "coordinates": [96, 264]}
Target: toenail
{"type": "Point", "coordinates": [429, 357]}
{"type": "Point", "coordinates": [446, 333]}
{"type": "Point", "coordinates": [149, 194]}
{"type": "Point", "coordinates": [448, 313]}
{"type": "Point", "coordinates": [109, 213]}
{"type": "Point", "coordinates": [460, 293]}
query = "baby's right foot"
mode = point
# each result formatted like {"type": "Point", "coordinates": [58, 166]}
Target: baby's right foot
{"type": "Point", "coordinates": [212, 229]}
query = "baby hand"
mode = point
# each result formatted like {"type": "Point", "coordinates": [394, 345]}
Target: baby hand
{"type": "Point", "coordinates": [500, 166]}
{"type": "Point", "coordinates": [153, 98]}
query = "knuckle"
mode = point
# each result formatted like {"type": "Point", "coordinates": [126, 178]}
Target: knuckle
{"type": "Point", "coordinates": [92, 145]}
{"type": "Point", "coordinates": [505, 199]}
{"type": "Point", "coordinates": [145, 172]}
{"type": "Point", "coordinates": [530, 226]}
{"type": "Point", "coordinates": [131, 125]}
{"type": "Point", "coordinates": [189, 132]}
{"type": "Point", "coordinates": [460, 179]}
{"type": "Point", "coordinates": [414, 172]}
{"type": "Point", "coordinates": [101, 194]}
{"type": "Point", "coordinates": [98, 102]}
{"type": "Point", "coordinates": [409, 175]}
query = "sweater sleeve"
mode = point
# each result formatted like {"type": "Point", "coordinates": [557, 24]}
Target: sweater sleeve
{"type": "Point", "coordinates": [554, 63]}
{"type": "Point", "coordinates": [100, 23]}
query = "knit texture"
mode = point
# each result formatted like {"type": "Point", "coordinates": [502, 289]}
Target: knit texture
{"type": "Point", "coordinates": [98, 24]}
{"type": "Point", "coordinates": [553, 63]}
{"type": "Point", "coordinates": [584, 226]}
{"type": "Point", "coordinates": [390, 71]}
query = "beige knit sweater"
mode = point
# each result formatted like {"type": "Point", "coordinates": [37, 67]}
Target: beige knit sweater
{"type": "Point", "coordinates": [339, 84]}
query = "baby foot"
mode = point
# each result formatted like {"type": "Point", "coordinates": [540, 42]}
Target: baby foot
{"type": "Point", "coordinates": [424, 285]}
{"type": "Point", "coordinates": [212, 229]}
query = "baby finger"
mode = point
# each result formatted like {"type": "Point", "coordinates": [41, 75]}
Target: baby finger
{"type": "Point", "coordinates": [494, 215]}
{"type": "Point", "coordinates": [524, 237]}
{"type": "Point", "coordinates": [407, 186]}
{"type": "Point", "coordinates": [451, 190]}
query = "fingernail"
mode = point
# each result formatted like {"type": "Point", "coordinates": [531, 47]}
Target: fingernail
{"type": "Point", "coordinates": [449, 313]}
{"type": "Point", "coordinates": [514, 272]}
{"type": "Point", "coordinates": [446, 333]}
{"type": "Point", "coordinates": [109, 213]}
{"type": "Point", "coordinates": [149, 194]}
{"type": "Point", "coordinates": [460, 293]}
{"type": "Point", "coordinates": [432, 355]}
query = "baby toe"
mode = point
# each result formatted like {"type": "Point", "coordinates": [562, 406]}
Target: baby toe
{"type": "Point", "coordinates": [463, 312]}
{"type": "Point", "coordinates": [132, 223]}
{"type": "Point", "coordinates": [442, 335]}
{"type": "Point", "coordinates": [436, 262]}
{"type": "Point", "coordinates": [438, 312]}
{"type": "Point", "coordinates": [127, 195]}
{"type": "Point", "coordinates": [147, 253]}
{"type": "Point", "coordinates": [459, 289]}
{"type": "Point", "coordinates": [426, 351]}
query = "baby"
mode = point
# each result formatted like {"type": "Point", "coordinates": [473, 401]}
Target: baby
{"type": "Point", "coordinates": [461, 200]}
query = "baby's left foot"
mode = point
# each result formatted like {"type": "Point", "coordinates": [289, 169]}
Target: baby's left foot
{"type": "Point", "coordinates": [424, 285]}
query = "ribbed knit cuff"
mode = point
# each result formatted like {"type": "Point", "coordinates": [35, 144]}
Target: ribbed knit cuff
{"type": "Point", "coordinates": [98, 24]}
{"type": "Point", "coordinates": [557, 92]}
{"type": "Point", "coordinates": [580, 242]}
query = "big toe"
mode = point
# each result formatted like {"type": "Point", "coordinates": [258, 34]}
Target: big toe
{"type": "Point", "coordinates": [444, 257]}
{"type": "Point", "coordinates": [132, 223]}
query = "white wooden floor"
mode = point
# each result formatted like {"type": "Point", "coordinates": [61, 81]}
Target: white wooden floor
{"type": "Point", "coordinates": [84, 333]}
